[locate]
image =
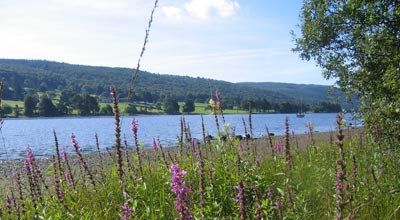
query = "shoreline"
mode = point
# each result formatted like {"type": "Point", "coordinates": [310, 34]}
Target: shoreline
{"type": "Point", "coordinates": [93, 158]}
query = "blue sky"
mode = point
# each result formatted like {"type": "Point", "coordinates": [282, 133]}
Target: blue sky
{"type": "Point", "coordinates": [232, 40]}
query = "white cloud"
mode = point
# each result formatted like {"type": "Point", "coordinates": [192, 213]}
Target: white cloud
{"type": "Point", "coordinates": [202, 9]}
{"type": "Point", "coordinates": [172, 12]}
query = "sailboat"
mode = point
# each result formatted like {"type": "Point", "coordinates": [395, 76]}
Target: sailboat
{"type": "Point", "coordinates": [301, 114]}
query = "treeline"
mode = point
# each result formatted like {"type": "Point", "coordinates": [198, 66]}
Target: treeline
{"type": "Point", "coordinates": [29, 79]}
{"type": "Point", "coordinates": [43, 76]}
{"type": "Point", "coordinates": [69, 103]}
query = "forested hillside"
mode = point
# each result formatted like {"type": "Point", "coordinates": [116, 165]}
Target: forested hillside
{"type": "Point", "coordinates": [47, 75]}
{"type": "Point", "coordinates": [31, 76]}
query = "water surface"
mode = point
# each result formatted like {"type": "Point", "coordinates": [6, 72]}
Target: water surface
{"type": "Point", "coordinates": [38, 132]}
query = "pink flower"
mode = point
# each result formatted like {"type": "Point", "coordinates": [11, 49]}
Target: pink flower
{"type": "Point", "coordinates": [218, 95]}
{"type": "Point", "coordinates": [155, 147]}
{"type": "Point", "coordinates": [112, 91]}
{"type": "Point", "coordinates": [75, 143]}
{"type": "Point", "coordinates": [177, 184]}
{"type": "Point", "coordinates": [241, 146]}
{"type": "Point", "coordinates": [128, 211]}
{"type": "Point", "coordinates": [64, 154]}
{"type": "Point", "coordinates": [29, 153]}
{"type": "Point", "coordinates": [68, 178]}
{"type": "Point", "coordinates": [135, 126]}
{"type": "Point", "coordinates": [278, 203]}
{"type": "Point", "coordinates": [277, 146]}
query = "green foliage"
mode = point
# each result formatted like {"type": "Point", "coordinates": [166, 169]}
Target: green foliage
{"type": "Point", "coordinates": [46, 107]}
{"type": "Point", "coordinates": [356, 42]}
{"type": "Point", "coordinates": [5, 110]}
{"type": "Point", "coordinates": [30, 103]}
{"type": "Point", "coordinates": [106, 110]}
{"type": "Point", "coordinates": [171, 106]}
{"type": "Point", "coordinates": [326, 107]}
{"type": "Point", "coordinates": [188, 106]}
{"type": "Point", "coordinates": [131, 109]}
{"type": "Point", "coordinates": [85, 104]}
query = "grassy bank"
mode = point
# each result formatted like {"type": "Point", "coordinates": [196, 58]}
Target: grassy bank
{"type": "Point", "coordinates": [315, 176]}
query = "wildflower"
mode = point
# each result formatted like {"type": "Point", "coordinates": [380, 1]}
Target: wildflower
{"type": "Point", "coordinates": [64, 154]}
{"type": "Point", "coordinates": [277, 146]}
{"type": "Point", "coordinates": [177, 184]}
{"type": "Point", "coordinates": [270, 193]}
{"type": "Point", "coordinates": [218, 95]}
{"type": "Point", "coordinates": [68, 178]}
{"type": "Point", "coordinates": [278, 203]}
{"type": "Point", "coordinates": [241, 146]}
{"type": "Point", "coordinates": [9, 202]}
{"type": "Point", "coordinates": [240, 199]}
{"type": "Point", "coordinates": [211, 103]}
{"type": "Point", "coordinates": [128, 211]}
{"type": "Point", "coordinates": [29, 153]}
{"type": "Point", "coordinates": [155, 147]}
{"type": "Point", "coordinates": [135, 126]}
{"type": "Point", "coordinates": [226, 127]}
{"type": "Point", "coordinates": [82, 162]}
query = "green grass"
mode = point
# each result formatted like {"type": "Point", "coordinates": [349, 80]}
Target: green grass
{"type": "Point", "coordinates": [13, 103]}
{"type": "Point", "coordinates": [307, 190]}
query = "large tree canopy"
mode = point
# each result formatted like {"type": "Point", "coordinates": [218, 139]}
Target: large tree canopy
{"type": "Point", "coordinates": [357, 42]}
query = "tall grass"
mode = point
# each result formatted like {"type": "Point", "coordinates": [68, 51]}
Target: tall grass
{"type": "Point", "coordinates": [221, 179]}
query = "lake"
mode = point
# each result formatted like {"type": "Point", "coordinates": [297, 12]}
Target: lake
{"type": "Point", "coordinates": [38, 132]}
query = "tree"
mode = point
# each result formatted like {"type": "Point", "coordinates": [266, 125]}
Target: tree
{"type": "Point", "coordinates": [65, 105]}
{"type": "Point", "coordinates": [17, 89]}
{"type": "Point", "coordinates": [91, 104]}
{"type": "Point", "coordinates": [131, 109]}
{"type": "Point", "coordinates": [30, 102]}
{"type": "Point", "coordinates": [85, 104]}
{"type": "Point", "coordinates": [106, 110]}
{"type": "Point", "coordinates": [171, 106]}
{"type": "Point", "coordinates": [357, 43]}
{"type": "Point", "coordinates": [188, 106]}
{"type": "Point", "coordinates": [5, 110]}
{"type": "Point", "coordinates": [46, 107]}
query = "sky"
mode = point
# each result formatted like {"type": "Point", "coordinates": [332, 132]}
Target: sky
{"type": "Point", "coordinates": [231, 40]}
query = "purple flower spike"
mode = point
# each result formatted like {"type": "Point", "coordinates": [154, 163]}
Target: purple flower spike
{"type": "Point", "coordinates": [135, 126]}
{"type": "Point", "coordinates": [193, 144]}
{"type": "Point", "coordinates": [177, 184]}
{"type": "Point", "coordinates": [241, 146]}
{"type": "Point", "coordinates": [277, 146]}
{"type": "Point", "coordinates": [112, 90]}
{"type": "Point", "coordinates": [218, 95]}
{"type": "Point", "coordinates": [128, 211]}
{"type": "Point", "coordinates": [64, 154]}
{"type": "Point", "coordinates": [68, 178]}
{"type": "Point", "coordinates": [75, 143]}
{"type": "Point", "coordinates": [155, 147]}
{"type": "Point", "coordinates": [29, 153]}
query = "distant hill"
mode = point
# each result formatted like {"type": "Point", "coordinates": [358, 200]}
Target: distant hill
{"type": "Point", "coordinates": [308, 93]}
{"type": "Point", "coordinates": [42, 75]}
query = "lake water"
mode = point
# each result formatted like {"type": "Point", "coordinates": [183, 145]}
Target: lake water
{"type": "Point", "coordinates": [38, 132]}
